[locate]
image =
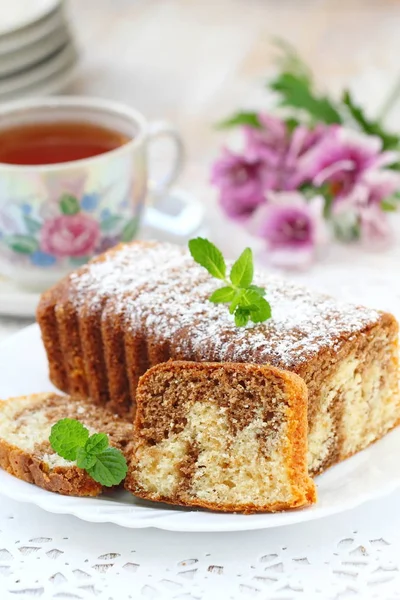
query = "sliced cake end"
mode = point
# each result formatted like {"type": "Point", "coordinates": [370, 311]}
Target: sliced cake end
{"type": "Point", "coordinates": [25, 451]}
{"type": "Point", "coordinates": [229, 437]}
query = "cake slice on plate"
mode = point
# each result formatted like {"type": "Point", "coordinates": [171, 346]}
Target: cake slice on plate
{"type": "Point", "coordinates": [228, 437]}
{"type": "Point", "coordinates": [25, 451]}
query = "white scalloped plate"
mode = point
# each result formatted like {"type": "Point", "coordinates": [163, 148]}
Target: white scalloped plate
{"type": "Point", "coordinates": [367, 476]}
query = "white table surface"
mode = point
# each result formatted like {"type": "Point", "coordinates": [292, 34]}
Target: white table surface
{"type": "Point", "coordinates": [194, 62]}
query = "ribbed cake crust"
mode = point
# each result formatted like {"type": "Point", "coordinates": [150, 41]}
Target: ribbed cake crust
{"type": "Point", "coordinates": [144, 303]}
{"type": "Point", "coordinates": [228, 437]}
{"type": "Point", "coordinates": [25, 452]}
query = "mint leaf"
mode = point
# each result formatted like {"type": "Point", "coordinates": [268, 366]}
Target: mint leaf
{"type": "Point", "coordinates": [67, 436]}
{"type": "Point", "coordinates": [260, 311]}
{"type": "Point", "coordinates": [224, 294]}
{"type": "Point", "coordinates": [240, 119]}
{"type": "Point", "coordinates": [208, 256]}
{"type": "Point", "coordinates": [295, 91]}
{"type": "Point", "coordinates": [85, 461]}
{"type": "Point", "coordinates": [69, 204]}
{"type": "Point", "coordinates": [259, 290]}
{"type": "Point", "coordinates": [110, 467]}
{"type": "Point", "coordinates": [259, 308]}
{"type": "Point", "coordinates": [245, 299]}
{"type": "Point", "coordinates": [242, 271]}
{"type": "Point", "coordinates": [96, 443]}
{"type": "Point", "coordinates": [242, 316]}
{"type": "Point", "coordinates": [236, 301]}
{"type": "Point", "coordinates": [369, 126]}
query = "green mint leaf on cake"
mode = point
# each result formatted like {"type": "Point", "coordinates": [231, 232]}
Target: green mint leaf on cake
{"type": "Point", "coordinates": [259, 290]}
{"type": "Point", "coordinates": [208, 256]}
{"type": "Point", "coordinates": [70, 439]}
{"type": "Point", "coordinates": [224, 294]}
{"type": "Point", "coordinates": [242, 272]}
{"type": "Point", "coordinates": [67, 436]}
{"type": "Point", "coordinates": [246, 300]}
{"type": "Point", "coordinates": [96, 443]}
{"type": "Point", "coordinates": [242, 316]}
{"type": "Point", "coordinates": [110, 467]}
{"type": "Point", "coordinates": [84, 460]}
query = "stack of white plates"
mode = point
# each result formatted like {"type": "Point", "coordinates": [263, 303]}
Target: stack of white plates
{"type": "Point", "coordinates": [37, 53]}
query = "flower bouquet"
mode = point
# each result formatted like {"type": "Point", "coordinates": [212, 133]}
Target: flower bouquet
{"type": "Point", "coordinates": [316, 170]}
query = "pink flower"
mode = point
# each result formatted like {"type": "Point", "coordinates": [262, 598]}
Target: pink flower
{"type": "Point", "coordinates": [375, 230]}
{"type": "Point", "coordinates": [375, 185]}
{"type": "Point", "coordinates": [281, 151]}
{"type": "Point", "coordinates": [269, 142]}
{"type": "Point", "coordinates": [241, 182]}
{"type": "Point", "coordinates": [362, 207]}
{"type": "Point", "coordinates": [342, 159]}
{"type": "Point", "coordinates": [292, 227]}
{"type": "Point", "coordinates": [70, 235]}
{"type": "Point", "coordinates": [302, 141]}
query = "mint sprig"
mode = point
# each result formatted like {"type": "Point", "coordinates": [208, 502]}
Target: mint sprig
{"type": "Point", "coordinates": [71, 440]}
{"type": "Point", "coordinates": [246, 301]}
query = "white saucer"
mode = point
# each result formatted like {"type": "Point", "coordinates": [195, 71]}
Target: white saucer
{"type": "Point", "coordinates": [19, 14]}
{"type": "Point", "coordinates": [44, 71]}
{"type": "Point", "coordinates": [51, 85]}
{"type": "Point", "coordinates": [31, 55]}
{"type": "Point", "coordinates": [16, 39]}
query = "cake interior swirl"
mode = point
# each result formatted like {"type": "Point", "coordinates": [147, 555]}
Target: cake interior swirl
{"type": "Point", "coordinates": [223, 436]}
{"type": "Point", "coordinates": [142, 304]}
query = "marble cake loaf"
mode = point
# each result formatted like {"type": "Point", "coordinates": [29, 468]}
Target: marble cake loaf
{"type": "Point", "coordinates": [224, 436]}
{"type": "Point", "coordinates": [141, 304]}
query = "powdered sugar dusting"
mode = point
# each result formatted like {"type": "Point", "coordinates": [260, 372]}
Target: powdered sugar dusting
{"type": "Point", "coordinates": [159, 289]}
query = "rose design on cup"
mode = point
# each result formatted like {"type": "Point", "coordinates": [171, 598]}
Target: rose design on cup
{"type": "Point", "coordinates": [75, 230]}
{"type": "Point", "coordinates": [70, 235]}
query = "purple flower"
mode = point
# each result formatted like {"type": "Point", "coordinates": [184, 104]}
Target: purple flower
{"type": "Point", "coordinates": [241, 181]}
{"type": "Point", "coordinates": [269, 142]}
{"type": "Point", "coordinates": [302, 141]}
{"type": "Point", "coordinates": [282, 152]}
{"type": "Point", "coordinates": [342, 158]}
{"type": "Point", "coordinates": [292, 227]}
{"type": "Point", "coordinates": [362, 206]}
{"type": "Point", "coordinates": [375, 185]}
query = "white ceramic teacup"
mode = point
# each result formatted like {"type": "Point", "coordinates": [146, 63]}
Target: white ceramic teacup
{"type": "Point", "coordinates": [56, 217]}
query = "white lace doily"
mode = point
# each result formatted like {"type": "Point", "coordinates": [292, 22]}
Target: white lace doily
{"type": "Point", "coordinates": [352, 556]}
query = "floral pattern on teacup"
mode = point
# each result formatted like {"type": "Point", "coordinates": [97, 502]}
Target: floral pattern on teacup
{"type": "Point", "coordinates": [65, 227]}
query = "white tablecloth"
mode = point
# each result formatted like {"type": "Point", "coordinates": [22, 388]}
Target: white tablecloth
{"type": "Point", "coordinates": [353, 555]}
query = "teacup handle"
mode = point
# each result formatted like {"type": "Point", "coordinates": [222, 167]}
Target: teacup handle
{"type": "Point", "coordinates": [159, 129]}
